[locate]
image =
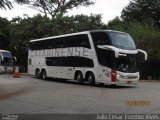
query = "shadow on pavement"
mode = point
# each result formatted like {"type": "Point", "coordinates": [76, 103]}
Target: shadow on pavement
{"type": "Point", "coordinates": [86, 84]}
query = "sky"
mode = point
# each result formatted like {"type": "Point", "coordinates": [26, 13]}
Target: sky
{"type": "Point", "coordinates": [109, 9]}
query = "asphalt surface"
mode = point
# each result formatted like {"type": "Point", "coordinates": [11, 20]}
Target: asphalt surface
{"type": "Point", "coordinates": [29, 95]}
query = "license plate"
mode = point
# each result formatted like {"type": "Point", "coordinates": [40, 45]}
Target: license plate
{"type": "Point", "coordinates": [129, 82]}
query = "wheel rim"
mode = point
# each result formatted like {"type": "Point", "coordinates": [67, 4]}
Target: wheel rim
{"type": "Point", "coordinates": [78, 77]}
{"type": "Point", "coordinates": [38, 73]}
{"type": "Point", "coordinates": [44, 75]}
{"type": "Point", "coordinates": [90, 78]}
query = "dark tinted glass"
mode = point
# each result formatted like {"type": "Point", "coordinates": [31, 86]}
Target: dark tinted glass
{"type": "Point", "coordinates": [122, 40]}
{"type": "Point", "coordinates": [100, 38]}
{"type": "Point", "coordinates": [69, 61]}
{"type": "Point", "coordinates": [30, 62]}
{"type": "Point", "coordinates": [105, 57]}
{"type": "Point", "coordinates": [126, 63]}
{"type": "Point", "coordinates": [63, 42]}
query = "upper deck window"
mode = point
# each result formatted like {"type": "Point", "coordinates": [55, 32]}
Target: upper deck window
{"type": "Point", "coordinates": [100, 38]}
{"type": "Point", "coordinates": [62, 42]}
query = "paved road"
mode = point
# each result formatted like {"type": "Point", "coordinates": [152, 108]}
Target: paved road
{"type": "Point", "coordinates": [33, 96]}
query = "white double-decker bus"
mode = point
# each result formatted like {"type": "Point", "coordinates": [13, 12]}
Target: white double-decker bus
{"type": "Point", "coordinates": [6, 61]}
{"type": "Point", "coordinates": [99, 56]}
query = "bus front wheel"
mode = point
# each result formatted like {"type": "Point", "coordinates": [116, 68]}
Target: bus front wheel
{"type": "Point", "coordinates": [38, 74]}
{"type": "Point", "coordinates": [44, 74]}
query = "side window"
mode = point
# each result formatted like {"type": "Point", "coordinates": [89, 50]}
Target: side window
{"type": "Point", "coordinates": [69, 61]}
{"type": "Point", "coordinates": [56, 43]}
{"type": "Point", "coordinates": [40, 45]}
{"type": "Point", "coordinates": [72, 42]}
{"type": "Point", "coordinates": [85, 41]}
{"type": "Point", "coordinates": [100, 38]}
{"type": "Point", "coordinates": [43, 44]}
{"type": "Point", "coordinates": [53, 43]}
{"type": "Point", "coordinates": [78, 41]}
{"type": "Point", "coordinates": [30, 62]}
{"type": "Point", "coordinates": [62, 42]}
{"type": "Point", "coordinates": [36, 45]}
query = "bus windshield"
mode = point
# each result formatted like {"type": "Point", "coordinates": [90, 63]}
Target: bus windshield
{"type": "Point", "coordinates": [122, 40]}
{"type": "Point", "coordinates": [7, 54]}
{"type": "Point", "coordinates": [7, 59]}
{"type": "Point", "coordinates": [126, 64]}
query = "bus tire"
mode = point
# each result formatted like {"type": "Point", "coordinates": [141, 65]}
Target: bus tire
{"type": "Point", "coordinates": [79, 78]}
{"type": "Point", "coordinates": [44, 74]}
{"type": "Point", "coordinates": [91, 79]}
{"type": "Point", "coordinates": [38, 74]}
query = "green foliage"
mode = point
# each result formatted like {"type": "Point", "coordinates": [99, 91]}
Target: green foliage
{"type": "Point", "coordinates": [23, 30]}
{"type": "Point", "coordinates": [141, 10]}
{"type": "Point", "coordinates": [146, 36]}
{"type": "Point", "coordinates": [4, 4]}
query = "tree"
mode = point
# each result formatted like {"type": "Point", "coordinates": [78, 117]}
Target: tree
{"type": "Point", "coordinates": [55, 7]}
{"type": "Point", "coordinates": [78, 23]}
{"type": "Point", "coordinates": [116, 24]}
{"type": "Point", "coordinates": [4, 33]}
{"type": "Point", "coordinates": [146, 37]}
{"type": "Point", "coordinates": [142, 10]}
{"type": "Point", "coordinates": [4, 4]}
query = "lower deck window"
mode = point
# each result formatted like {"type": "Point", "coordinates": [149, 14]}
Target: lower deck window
{"type": "Point", "coordinates": [71, 61]}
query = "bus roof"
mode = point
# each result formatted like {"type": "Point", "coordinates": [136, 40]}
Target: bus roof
{"type": "Point", "coordinates": [85, 32]}
{"type": "Point", "coordinates": [4, 50]}
{"type": "Point", "coordinates": [92, 31]}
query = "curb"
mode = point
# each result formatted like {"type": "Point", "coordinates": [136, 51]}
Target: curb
{"type": "Point", "coordinates": [149, 80]}
{"type": "Point", "coordinates": [27, 74]}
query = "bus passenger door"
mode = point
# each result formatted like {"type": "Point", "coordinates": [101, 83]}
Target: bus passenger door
{"type": "Point", "coordinates": [106, 74]}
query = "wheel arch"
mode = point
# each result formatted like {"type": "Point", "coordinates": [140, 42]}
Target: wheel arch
{"type": "Point", "coordinates": [37, 70]}
{"type": "Point", "coordinates": [89, 71]}
{"type": "Point", "coordinates": [43, 69]}
{"type": "Point", "coordinates": [76, 73]}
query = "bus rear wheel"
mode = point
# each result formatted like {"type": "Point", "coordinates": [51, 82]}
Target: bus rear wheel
{"type": "Point", "coordinates": [44, 74]}
{"type": "Point", "coordinates": [79, 78]}
{"type": "Point", "coordinates": [91, 79]}
{"type": "Point", "coordinates": [38, 74]}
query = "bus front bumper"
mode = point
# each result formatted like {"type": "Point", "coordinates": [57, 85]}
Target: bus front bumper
{"type": "Point", "coordinates": [127, 80]}
{"type": "Point", "coordinates": [6, 69]}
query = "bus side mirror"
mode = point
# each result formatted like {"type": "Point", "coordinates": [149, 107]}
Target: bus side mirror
{"type": "Point", "coordinates": [14, 59]}
{"type": "Point", "coordinates": [2, 58]}
{"type": "Point", "coordinates": [145, 54]}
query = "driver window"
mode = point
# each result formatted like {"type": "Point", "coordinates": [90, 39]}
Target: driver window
{"type": "Point", "coordinates": [100, 38]}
